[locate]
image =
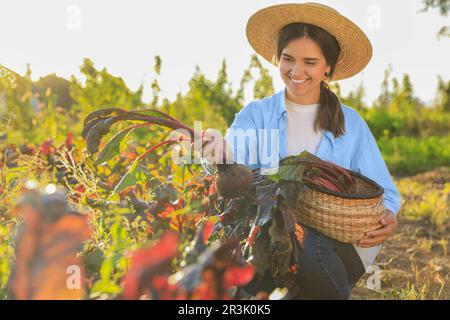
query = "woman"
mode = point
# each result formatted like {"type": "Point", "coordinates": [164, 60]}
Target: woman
{"type": "Point", "coordinates": [312, 44]}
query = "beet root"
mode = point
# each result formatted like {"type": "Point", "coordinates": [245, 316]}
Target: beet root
{"type": "Point", "coordinates": [233, 180]}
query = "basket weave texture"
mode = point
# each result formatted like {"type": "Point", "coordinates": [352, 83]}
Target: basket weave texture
{"type": "Point", "coordinates": [343, 217]}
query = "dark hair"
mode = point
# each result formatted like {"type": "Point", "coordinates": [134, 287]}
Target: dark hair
{"type": "Point", "coordinates": [330, 116]}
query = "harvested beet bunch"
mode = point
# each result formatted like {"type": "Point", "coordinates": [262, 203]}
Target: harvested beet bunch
{"type": "Point", "coordinates": [262, 220]}
{"type": "Point", "coordinates": [235, 180]}
{"type": "Point", "coordinates": [231, 179]}
{"type": "Point", "coordinates": [310, 170]}
{"type": "Point", "coordinates": [306, 190]}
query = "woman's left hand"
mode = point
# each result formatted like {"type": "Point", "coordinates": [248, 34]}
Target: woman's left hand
{"type": "Point", "coordinates": [376, 237]}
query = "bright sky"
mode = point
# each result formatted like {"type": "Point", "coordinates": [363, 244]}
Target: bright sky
{"type": "Point", "coordinates": [124, 36]}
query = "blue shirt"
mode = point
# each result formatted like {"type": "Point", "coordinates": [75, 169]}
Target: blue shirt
{"type": "Point", "coordinates": [356, 150]}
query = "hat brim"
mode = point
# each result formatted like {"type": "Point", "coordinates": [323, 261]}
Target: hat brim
{"type": "Point", "coordinates": [263, 27]}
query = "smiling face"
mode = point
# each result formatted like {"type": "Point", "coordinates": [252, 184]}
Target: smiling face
{"type": "Point", "coordinates": [302, 68]}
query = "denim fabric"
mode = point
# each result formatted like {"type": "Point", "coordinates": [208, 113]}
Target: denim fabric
{"type": "Point", "coordinates": [328, 269]}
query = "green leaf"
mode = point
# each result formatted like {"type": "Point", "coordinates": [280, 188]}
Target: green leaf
{"type": "Point", "coordinates": [94, 136]}
{"type": "Point", "coordinates": [308, 156]}
{"type": "Point", "coordinates": [288, 172]}
{"type": "Point", "coordinates": [105, 287]}
{"type": "Point", "coordinates": [133, 176]}
{"type": "Point", "coordinates": [97, 116]}
{"type": "Point", "coordinates": [93, 261]}
{"type": "Point", "coordinates": [101, 128]}
{"type": "Point", "coordinates": [112, 147]}
{"type": "Point", "coordinates": [304, 155]}
{"type": "Point", "coordinates": [101, 114]}
{"type": "Point", "coordinates": [13, 174]}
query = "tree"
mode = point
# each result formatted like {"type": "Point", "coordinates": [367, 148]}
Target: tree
{"type": "Point", "coordinates": [205, 101]}
{"type": "Point", "coordinates": [59, 87]}
{"type": "Point", "coordinates": [443, 95]}
{"type": "Point", "coordinates": [444, 8]}
{"type": "Point", "coordinates": [101, 89]}
{"type": "Point", "coordinates": [156, 89]}
{"type": "Point", "coordinates": [385, 96]}
{"type": "Point", "coordinates": [264, 85]}
{"type": "Point", "coordinates": [212, 102]}
{"type": "Point", "coordinates": [354, 98]}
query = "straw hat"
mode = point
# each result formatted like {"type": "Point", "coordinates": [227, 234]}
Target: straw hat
{"type": "Point", "coordinates": [264, 25]}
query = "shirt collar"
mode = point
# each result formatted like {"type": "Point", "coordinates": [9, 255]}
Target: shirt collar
{"type": "Point", "coordinates": [282, 113]}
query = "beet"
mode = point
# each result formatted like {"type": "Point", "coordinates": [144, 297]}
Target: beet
{"type": "Point", "coordinates": [233, 180]}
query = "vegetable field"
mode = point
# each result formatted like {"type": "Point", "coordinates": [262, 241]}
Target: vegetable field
{"type": "Point", "coordinates": [91, 209]}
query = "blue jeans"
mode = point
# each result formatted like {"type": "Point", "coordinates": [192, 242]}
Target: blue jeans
{"type": "Point", "coordinates": [328, 269]}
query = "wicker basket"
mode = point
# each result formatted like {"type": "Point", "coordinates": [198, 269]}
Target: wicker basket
{"type": "Point", "coordinates": [341, 216]}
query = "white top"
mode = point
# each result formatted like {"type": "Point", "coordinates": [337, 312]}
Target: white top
{"type": "Point", "coordinates": [300, 128]}
{"type": "Point", "coordinates": [301, 136]}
